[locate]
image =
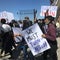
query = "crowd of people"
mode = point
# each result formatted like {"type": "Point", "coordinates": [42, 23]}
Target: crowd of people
{"type": "Point", "coordinates": [8, 42]}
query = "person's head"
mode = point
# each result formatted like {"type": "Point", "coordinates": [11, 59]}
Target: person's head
{"type": "Point", "coordinates": [40, 21]}
{"type": "Point", "coordinates": [3, 21]}
{"type": "Point", "coordinates": [26, 18]}
{"type": "Point", "coordinates": [13, 21]}
{"type": "Point", "coordinates": [20, 21]}
{"type": "Point", "coordinates": [48, 19]}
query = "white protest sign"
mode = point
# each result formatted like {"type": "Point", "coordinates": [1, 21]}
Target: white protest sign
{"type": "Point", "coordinates": [17, 31]}
{"type": "Point", "coordinates": [52, 10]}
{"type": "Point", "coordinates": [33, 37]}
{"type": "Point", "coordinates": [7, 15]}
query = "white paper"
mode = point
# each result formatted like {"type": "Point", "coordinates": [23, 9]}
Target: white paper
{"type": "Point", "coordinates": [52, 10]}
{"type": "Point", "coordinates": [33, 37]}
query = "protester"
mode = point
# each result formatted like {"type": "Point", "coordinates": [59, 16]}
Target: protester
{"type": "Point", "coordinates": [58, 26]}
{"type": "Point", "coordinates": [50, 35]}
{"type": "Point", "coordinates": [41, 23]}
{"type": "Point", "coordinates": [48, 28]}
{"type": "Point", "coordinates": [14, 23]}
{"type": "Point", "coordinates": [20, 24]}
{"type": "Point", "coordinates": [7, 38]}
{"type": "Point", "coordinates": [26, 23]}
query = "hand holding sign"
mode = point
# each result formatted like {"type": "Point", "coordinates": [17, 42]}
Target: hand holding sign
{"type": "Point", "coordinates": [44, 36]}
{"type": "Point", "coordinates": [33, 37]}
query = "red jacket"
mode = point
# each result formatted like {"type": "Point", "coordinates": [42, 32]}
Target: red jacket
{"type": "Point", "coordinates": [51, 32]}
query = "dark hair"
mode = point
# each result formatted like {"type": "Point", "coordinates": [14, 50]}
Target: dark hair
{"type": "Point", "coordinates": [27, 18]}
{"type": "Point", "coordinates": [20, 21]}
{"type": "Point", "coordinates": [3, 21]}
{"type": "Point", "coordinates": [13, 21]}
{"type": "Point", "coordinates": [50, 18]}
{"type": "Point", "coordinates": [11, 24]}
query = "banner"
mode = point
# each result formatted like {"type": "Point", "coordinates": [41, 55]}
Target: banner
{"type": "Point", "coordinates": [33, 37]}
{"type": "Point", "coordinates": [7, 15]}
{"type": "Point", "coordinates": [52, 10]}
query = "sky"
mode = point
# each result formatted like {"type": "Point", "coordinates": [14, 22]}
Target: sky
{"type": "Point", "coordinates": [15, 6]}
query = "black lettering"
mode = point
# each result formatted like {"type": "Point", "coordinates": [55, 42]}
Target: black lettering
{"type": "Point", "coordinates": [29, 38]}
{"type": "Point", "coordinates": [36, 34]}
{"type": "Point", "coordinates": [29, 31]}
